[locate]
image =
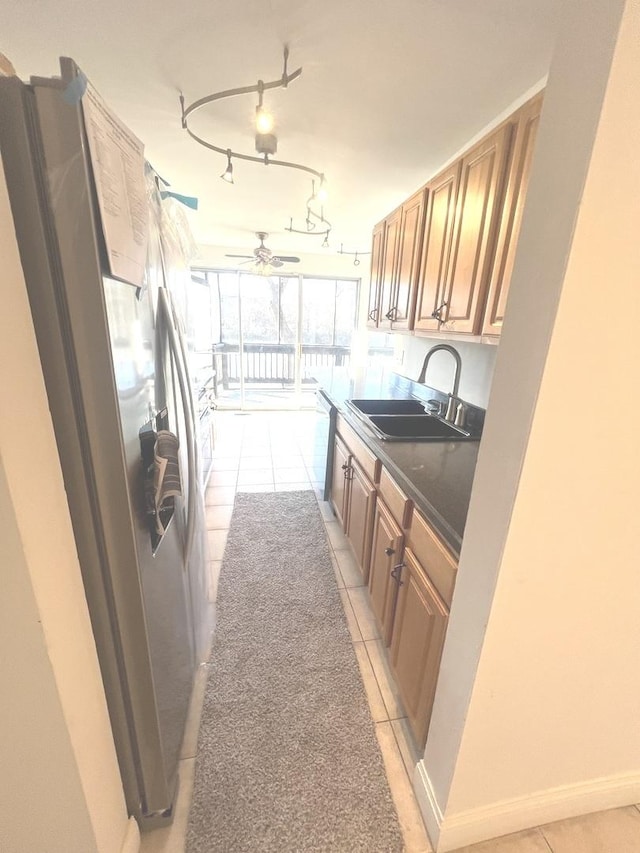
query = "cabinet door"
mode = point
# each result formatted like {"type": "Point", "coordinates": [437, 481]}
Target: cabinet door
{"type": "Point", "coordinates": [416, 644]}
{"type": "Point", "coordinates": [528, 119]}
{"type": "Point", "coordinates": [386, 553]}
{"type": "Point", "coordinates": [436, 245]}
{"type": "Point", "coordinates": [391, 240]}
{"type": "Point", "coordinates": [377, 251]}
{"type": "Point", "coordinates": [340, 482]}
{"type": "Point", "coordinates": [407, 266]}
{"type": "Point", "coordinates": [361, 499]}
{"type": "Point", "coordinates": [477, 209]}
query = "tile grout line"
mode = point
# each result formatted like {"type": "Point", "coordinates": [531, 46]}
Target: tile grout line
{"type": "Point", "coordinates": [545, 839]}
{"type": "Point", "coordinates": [395, 737]}
{"type": "Point", "coordinates": [375, 675]}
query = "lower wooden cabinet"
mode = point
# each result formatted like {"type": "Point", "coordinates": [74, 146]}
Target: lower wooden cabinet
{"type": "Point", "coordinates": [339, 482]}
{"type": "Point", "coordinates": [410, 586]}
{"type": "Point", "coordinates": [386, 555]}
{"type": "Point", "coordinates": [361, 502]}
{"type": "Point", "coordinates": [418, 634]}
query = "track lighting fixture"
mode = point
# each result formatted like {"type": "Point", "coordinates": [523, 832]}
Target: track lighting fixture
{"type": "Point", "coordinates": [227, 175]}
{"type": "Point", "coordinates": [266, 145]}
{"type": "Point", "coordinates": [266, 142]}
{"type": "Point", "coordinates": [355, 255]}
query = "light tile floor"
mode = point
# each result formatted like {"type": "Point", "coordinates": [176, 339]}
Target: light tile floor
{"type": "Point", "coordinates": [275, 452]}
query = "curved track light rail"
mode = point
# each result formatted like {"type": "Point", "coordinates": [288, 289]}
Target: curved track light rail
{"type": "Point", "coordinates": [258, 89]}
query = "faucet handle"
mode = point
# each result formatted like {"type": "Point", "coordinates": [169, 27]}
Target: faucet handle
{"type": "Point", "coordinates": [461, 412]}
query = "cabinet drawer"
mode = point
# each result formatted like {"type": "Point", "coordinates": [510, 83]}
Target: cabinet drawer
{"type": "Point", "coordinates": [365, 458]}
{"type": "Point", "coordinates": [398, 503]}
{"type": "Point", "coordinates": [438, 563]}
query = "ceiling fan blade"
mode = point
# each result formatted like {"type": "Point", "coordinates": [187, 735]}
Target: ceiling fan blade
{"type": "Point", "coordinates": [288, 259]}
{"type": "Point", "coordinates": [250, 257]}
{"type": "Point", "coordinates": [276, 262]}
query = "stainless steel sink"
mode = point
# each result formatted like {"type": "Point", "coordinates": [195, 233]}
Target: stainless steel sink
{"type": "Point", "coordinates": [416, 428]}
{"type": "Point", "coordinates": [406, 420]}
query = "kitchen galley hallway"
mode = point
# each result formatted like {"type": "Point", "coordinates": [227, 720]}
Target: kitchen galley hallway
{"type": "Point", "coordinates": [275, 451]}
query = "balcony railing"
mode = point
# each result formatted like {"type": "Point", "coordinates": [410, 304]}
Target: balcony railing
{"type": "Point", "coordinates": [274, 364]}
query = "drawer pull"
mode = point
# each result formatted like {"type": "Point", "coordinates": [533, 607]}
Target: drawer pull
{"type": "Point", "coordinates": [389, 551]}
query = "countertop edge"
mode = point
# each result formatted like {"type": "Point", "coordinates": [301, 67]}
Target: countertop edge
{"type": "Point", "coordinates": [451, 539]}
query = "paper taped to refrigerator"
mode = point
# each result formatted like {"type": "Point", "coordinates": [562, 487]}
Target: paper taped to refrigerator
{"type": "Point", "coordinates": [117, 158]}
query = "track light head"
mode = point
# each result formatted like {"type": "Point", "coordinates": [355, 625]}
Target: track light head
{"type": "Point", "coordinates": [227, 175]}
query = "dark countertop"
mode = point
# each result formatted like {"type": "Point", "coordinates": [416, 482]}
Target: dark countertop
{"type": "Point", "coordinates": [436, 475]}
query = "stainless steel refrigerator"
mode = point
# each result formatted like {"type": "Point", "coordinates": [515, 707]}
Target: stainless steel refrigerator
{"type": "Point", "coordinates": [115, 369]}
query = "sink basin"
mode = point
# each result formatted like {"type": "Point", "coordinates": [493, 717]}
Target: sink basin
{"type": "Point", "coordinates": [416, 428]}
{"type": "Point", "coordinates": [386, 407]}
{"type": "Point", "coordinates": [406, 420]}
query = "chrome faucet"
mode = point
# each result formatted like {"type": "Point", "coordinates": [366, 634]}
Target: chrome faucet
{"type": "Point", "coordinates": [454, 400]}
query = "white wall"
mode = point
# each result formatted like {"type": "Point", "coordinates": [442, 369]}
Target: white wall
{"type": "Point", "coordinates": [537, 719]}
{"type": "Point", "coordinates": [60, 785]}
{"type": "Point", "coordinates": [478, 361]}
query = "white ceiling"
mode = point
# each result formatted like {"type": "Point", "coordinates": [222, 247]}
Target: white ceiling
{"type": "Point", "coordinates": [390, 89]}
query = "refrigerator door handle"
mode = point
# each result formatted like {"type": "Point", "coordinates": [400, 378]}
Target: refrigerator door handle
{"type": "Point", "coordinates": [193, 483]}
{"type": "Point", "coordinates": [174, 346]}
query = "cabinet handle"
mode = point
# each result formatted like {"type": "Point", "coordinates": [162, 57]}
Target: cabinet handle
{"type": "Point", "coordinates": [395, 573]}
{"type": "Point", "coordinates": [373, 314]}
{"type": "Point", "coordinates": [389, 551]}
{"type": "Point", "coordinates": [437, 313]}
{"type": "Point", "coordinates": [392, 314]}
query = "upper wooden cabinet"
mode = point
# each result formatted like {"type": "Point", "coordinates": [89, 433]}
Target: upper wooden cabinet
{"type": "Point", "coordinates": [436, 245]}
{"type": "Point", "coordinates": [451, 273]}
{"type": "Point", "coordinates": [479, 194]}
{"type": "Point", "coordinates": [377, 252]}
{"type": "Point", "coordinates": [405, 277]}
{"type": "Point", "coordinates": [395, 259]}
{"type": "Point", "coordinates": [525, 135]}
{"type": "Point", "coordinates": [390, 251]}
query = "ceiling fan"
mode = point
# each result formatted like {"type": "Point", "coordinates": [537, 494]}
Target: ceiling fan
{"type": "Point", "coordinates": [263, 257]}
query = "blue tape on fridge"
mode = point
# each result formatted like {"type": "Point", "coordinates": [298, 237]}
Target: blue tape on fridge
{"type": "Point", "coordinates": [76, 89]}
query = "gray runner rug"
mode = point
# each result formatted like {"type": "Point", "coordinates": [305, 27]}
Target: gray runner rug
{"type": "Point", "coordinates": [287, 754]}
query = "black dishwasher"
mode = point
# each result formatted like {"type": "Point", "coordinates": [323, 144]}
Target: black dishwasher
{"type": "Point", "coordinates": [324, 441]}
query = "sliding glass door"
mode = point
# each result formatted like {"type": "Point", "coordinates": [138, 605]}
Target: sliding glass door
{"type": "Point", "coordinates": [279, 336]}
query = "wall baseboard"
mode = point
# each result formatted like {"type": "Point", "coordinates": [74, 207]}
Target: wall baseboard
{"type": "Point", "coordinates": [131, 841]}
{"type": "Point", "coordinates": [431, 813]}
{"type": "Point", "coordinates": [449, 832]}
